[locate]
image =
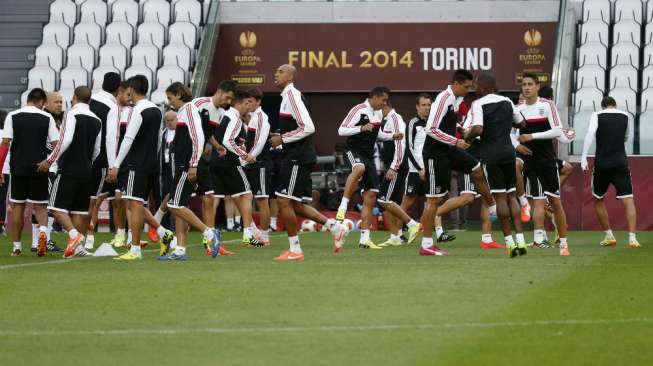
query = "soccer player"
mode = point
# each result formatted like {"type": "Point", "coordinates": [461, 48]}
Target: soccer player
{"type": "Point", "coordinates": [493, 117]}
{"type": "Point", "coordinates": [610, 129]}
{"type": "Point", "coordinates": [295, 185]}
{"type": "Point", "coordinates": [415, 137]}
{"type": "Point", "coordinates": [137, 163]}
{"type": "Point", "coordinates": [542, 126]}
{"type": "Point", "coordinates": [443, 152]}
{"type": "Point", "coordinates": [103, 104]}
{"type": "Point", "coordinates": [27, 131]}
{"type": "Point", "coordinates": [187, 148]}
{"type": "Point", "coordinates": [258, 146]}
{"type": "Point", "coordinates": [79, 145]}
{"type": "Point", "coordinates": [362, 126]}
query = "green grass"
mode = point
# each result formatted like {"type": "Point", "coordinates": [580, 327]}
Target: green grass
{"type": "Point", "coordinates": [389, 307]}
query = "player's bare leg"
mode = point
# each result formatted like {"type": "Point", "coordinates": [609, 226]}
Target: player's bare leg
{"type": "Point", "coordinates": [520, 192]}
{"type": "Point", "coordinates": [428, 221]}
{"type": "Point", "coordinates": [350, 187]}
{"type": "Point", "coordinates": [561, 223]}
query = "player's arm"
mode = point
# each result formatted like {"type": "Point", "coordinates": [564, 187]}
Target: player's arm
{"type": "Point", "coordinates": [589, 139]}
{"type": "Point", "coordinates": [410, 141]}
{"type": "Point", "coordinates": [113, 123]}
{"type": "Point", "coordinates": [305, 126]}
{"type": "Point", "coordinates": [262, 133]}
{"type": "Point", "coordinates": [132, 129]}
{"type": "Point", "coordinates": [98, 145]}
{"type": "Point", "coordinates": [476, 122]}
{"type": "Point", "coordinates": [65, 138]}
{"type": "Point", "coordinates": [230, 135]}
{"type": "Point", "coordinates": [348, 126]}
{"type": "Point", "coordinates": [7, 136]}
{"type": "Point", "coordinates": [196, 133]}
{"type": "Point", "coordinates": [438, 111]}
{"type": "Point", "coordinates": [398, 125]}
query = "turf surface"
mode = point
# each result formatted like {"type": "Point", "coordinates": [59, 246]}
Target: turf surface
{"type": "Point", "coordinates": [388, 307]}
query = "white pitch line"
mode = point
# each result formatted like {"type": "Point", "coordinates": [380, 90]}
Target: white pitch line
{"type": "Point", "coordinates": [322, 328]}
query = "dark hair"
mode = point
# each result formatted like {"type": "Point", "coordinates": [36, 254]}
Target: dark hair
{"type": "Point", "coordinates": [423, 95]}
{"type": "Point", "coordinates": [240, 95]}
{"type": "Point", "coordinates": [487, 78]}
{"type": "Point", "coordinates": [545, 92]}
{"type": "Point", "coordinates": [3, 116]}
{"type": "Point", "coordinates": [139, 83]}
{"type": "Point", "coordinates": [124, 84]}
{"type": "Point", "coordinates": [37, 95]}
{"type": "Point", "coordinates": [461, 75]}
{"type": "Point", "coordinates": [531, 76]}
{"type": "Point", "coordinates": [608, 101]}
{"type": "Point", "coordinates": [255, 93]}
{"type": "Point", "coordinates": [83, 94]}
{"type": "Point", "coordinates": [388, 103]}
{"type": "Point", "coordinates": [111, 82]}
{"type": "Point", "coordinates": [178, 88]}
{"type": "Point", "coordinates": [227, 86]}
{"type": "Point", "coordinates": [378, 91]}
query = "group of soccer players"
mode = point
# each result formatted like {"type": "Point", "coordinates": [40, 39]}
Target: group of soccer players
{"type": "Point", "coordinates": [108, 147]}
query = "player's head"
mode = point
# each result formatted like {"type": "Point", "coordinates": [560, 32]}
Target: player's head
{"type": "Point", "coordinates": [608, 102]}
{"type": "Point", "coordinates": [138, 87]}
{"type": "Point", "coordinates": [54, 103]}
{"type": "Point", "coordinates": [284, 75]}
{"type": "Point", "coordinates": [379, 95]}
{"type": "Point", "coordinates": [546, 92]}
{"type": "Point", "coordinates": [530, 86]}
{"type": "Point", "coordinates": [423, 105]}
{"type": "Point", "coordinates": [178, 94]}
{"type": "Point", "coordinates": [241, 101]}
{"type": "Point", "coordinates": [82, 94]}
{"type": "Point", "coordinates": [37, 98]}
{"type": "Point", "coordinates": [225, 94]}
{"type": "Point", "coordinates": [111, 83]}
{"type": "Point", "coordinates": [462, 82]}
{"type": "Point", "coordinates": [123, 97]}
{"type": "Point", "coordinates": [387, 107]}
{"type": "Point", "coordinates": [170, 119]}
{"type": "Point", "coordinates": [486, 84]}
{"type": "Point", "coordinates": [255, 98]}
{"type": "Point", "coordinates": [3, 115]}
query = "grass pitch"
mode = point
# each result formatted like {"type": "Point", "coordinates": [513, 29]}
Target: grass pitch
{"type": "Point", "coordinates": [388, 307]}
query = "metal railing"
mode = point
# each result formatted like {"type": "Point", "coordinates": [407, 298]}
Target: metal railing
{"type": "Point", "coordinates": [206, 50]}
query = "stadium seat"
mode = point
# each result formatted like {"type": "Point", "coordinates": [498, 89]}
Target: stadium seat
{"type": "Point", "coordinates": [169, 74]}
{"type": "Point", "coordinates": [628, 10]}
{"type": "Point", "coordinates": [623, 76]}
{"type": "Point", "coordinates": [625, 98]}
{"type": "Point", "coordinates": [81, 54]}
{"type": "Point", "coordinates": [67, 97]}
{"type": "Point", "coordinates": [587, 98]}
{"type": "Point", "coordinates": [63, 11]}
{"type": "Point", "coordinates": [42, 77]}
{"type": "Point", "coordinates": [594, 31]}
{"type": "Point", "coordinates": [141, 70]}
{"type": "Point", "coordinates": [188, 11]}
{"type": "Point", "coordinates": [590, 76]}
{"type": "Point", "coordinates": [183, 32]}
{"type": "Point", "coordinates": [90, 33]}
{"type": "Point", "coordinates": [51, 55]}
{"type": "Point", "coordinates": [125, 11]}
{"type": "Point", "coordinates": [157, 11]}
{"type": "Point", "coordinates": [114, 54]}
{"type": "Point", "coordinates": [580, 123]}
{"type": "Point", "coordinates": [646, 133]}
{"type": "Point", "coordinates": [98, 75]}
{"type": "Point", "coordinates": [596, 10]}
{"type": "Point", "coordinates": [647, 99]}
{"type": "Point", "coordinates": [94, 11]}
{"type": "Point", "coordinates": [57, 33]}
{"type": "Point", "coordinates": [627, 31]}
{"type": "Point", "coordinates": [625, 54]}
{"type": "Point", "coordinates": [592, 53]}
{"type": "Point", "coordinates": [145, 54]}
{"type": "Point", "coordinates": [151, 32]}
{"type": "Point", "coordinates": [73, 76]}
{"type": "Point", "coordinates": [121, 32]}
{"type": "Point", "coordinates": [648, 33]}
{"type": "Point", "coordinates": [177, 54]}
{"type": "Point", "coordinates": [159, 96]}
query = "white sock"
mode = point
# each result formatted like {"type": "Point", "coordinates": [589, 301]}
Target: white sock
{"type": "Point", "coordinates": [395, 237]}
{"type": "Point", "coordinates": [632, 237]}
{"type": "Point", "coordinates": [129, 237]}
{"type": "Point", "coordinates": [294, 244]}
{"type": "Point", "coordinates": [365, 236]}
{"type": "Point", "coordinates": [247, 231]}
{"type": "Point", "coordinates": [90, 239]}
{"type": "Point", "coordinates": [18, 245]}
{"type": "Point", "coordinates": [412, 223]}
{"type": "Point", "coordinates": [50, 223]}
{"type": "Point", "coordinates": [43, 229]}
{"type": "Point", "coordinates": [519, 238]}
{"type": "Point", "coordinates": [486, 238]}
{"type": "Point", "coordinates": [438, 231]}
{"type": "Point", "coordinates": [523, 200]}
{"type": "Point", "coordinates": [238, 219]}
{"type": "Point", "coordinates": [173, 243]}
{"type": "Point", "coordinates": [161, 231]}
{"type": "Point", "coordinates": [120, 231]}
{"type": "Point", "coordinates": [208, 234]}
{"type": "Point", "coordinates": [609, 235]}
{"type": "Point", "coordinates": [35, 236]}
{"type": "Point", "coordinates": [158, 216]}
{"type": "Point", "coordinates": [265, 234]}
{"type": "Point", "coordinates": [344, 203]}
{"type": "Point", "coordinates": [563, 242]}
{"type": "Point", "coordinates": [509, 241]}
{"type": "Point", "coordinates": [135, 249]}
{"type": "Point", "coordinates": [273, 222]}
{"type": "Point", "coordinates": [546, 236]}
{"type": "Point", "coordinates": [179, 250]}
{"type": "Point", "coordinates": [493, 210]}
{"type": "Point", "coordinates": [73, 233]}
{"type": "Point", "coordinates": [538, 236]}
{"type": "Point", "coordinates": [427, 242]}
{"type": "Point", "coordinates": [230, 224]}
